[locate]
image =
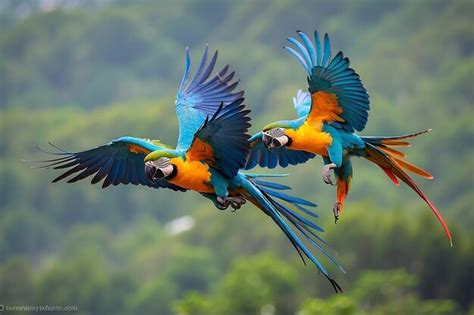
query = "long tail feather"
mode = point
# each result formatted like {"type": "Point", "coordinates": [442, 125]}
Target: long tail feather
{"type": "Point", "coordinates": [393, 166]}
{"type": "Point", "coordinates": [387, 140]}
{"type": "Point", "coordinates": [262, 197]}
{"type": "Point", "coordinates": [392, 151]}
{"type": "Point", "coordinates": [415, 169]}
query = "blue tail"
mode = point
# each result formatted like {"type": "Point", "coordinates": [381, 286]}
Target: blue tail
{"type": "Point", "coordinates": [264, 194]}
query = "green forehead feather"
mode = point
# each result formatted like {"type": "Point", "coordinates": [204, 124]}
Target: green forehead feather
{"type": "Point", "coordinates": [161, 144]}
{"type": "Point", "coordinates": [155, 155]}
{"type": "Point", "coordinates": [272, 125]}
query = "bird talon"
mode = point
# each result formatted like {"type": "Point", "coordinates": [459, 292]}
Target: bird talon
{"type": "Point", "coordinates": [223, 206]}
{"type": "Point", "coordinates": [327, 178]}
{"type": "Point", "coordinates": [234, 206]}
{"type": "Point", "coordinates": [235, 202]}
{"type": "Point", "coordinates": [336, 210]}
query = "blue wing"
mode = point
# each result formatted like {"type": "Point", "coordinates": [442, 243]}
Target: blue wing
{"type": "Point", "coordinates": [302, 103]}
{"type": "Point", "coordinates": [201, 96]}
{"type": "Point", "coordinates": [271, 159]}
{"type": "Point", "coordinates": [222, 141]}
{"type": "Point", "coordinates": [333, 76]}
{"type": "Point", "coordinates": [119, 162]}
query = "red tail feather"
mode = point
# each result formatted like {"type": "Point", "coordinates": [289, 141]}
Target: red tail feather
{"type": "Point", "coordinates": [390, 174]}
{"type": "Point", "coordinates": [394, 170]}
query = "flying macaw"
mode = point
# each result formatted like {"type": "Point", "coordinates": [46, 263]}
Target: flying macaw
{"type": "Point", "coordinates": [336, 106]}
{"type": "Point", "coordinates": [212, 147]}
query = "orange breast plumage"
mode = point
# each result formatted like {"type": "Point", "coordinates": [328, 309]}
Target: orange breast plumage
{"type": "Point", "coordinates": [310, 138]}
{"type": "Point", "coordinates": [193, 175]}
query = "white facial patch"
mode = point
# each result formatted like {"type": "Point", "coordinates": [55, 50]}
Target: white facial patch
{"type": "Point", "coordinates": [162, 162]}
{"type": "Point", "coordinates": [164, 165]}
{"type": "Point", "coordinates": [276, 132]}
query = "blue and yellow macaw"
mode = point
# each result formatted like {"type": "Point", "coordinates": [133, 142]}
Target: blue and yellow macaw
{"type": "Point", "coordinates": [212, 147]}
{"type": "Point", "coordinates": [336, 106]}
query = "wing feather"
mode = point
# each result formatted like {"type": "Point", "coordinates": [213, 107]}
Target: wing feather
{"type": "Point", "coordinates": [332, 77]}
{"type": "Point", "coordinates": [119, 162]}
{"type": "Point", "coordinates": [222, 141]}
{"type": "Point", "coordinates": [201, 96]}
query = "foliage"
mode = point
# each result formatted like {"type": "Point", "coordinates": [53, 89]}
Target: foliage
{"type": "Point", "coordinates": [384, 293]}
{"type": "Point", "coordinates": [80, 73]}
{"type": "Point", "coordinates": [252, 283]}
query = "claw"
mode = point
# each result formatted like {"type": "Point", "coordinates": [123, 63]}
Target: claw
{"type": "Point", "coordinates": [234, 202]}
{"type": "Point", "coordinates": [222, 206]}
{"type": "Point", "coordinates": [336, 210]}
{"type": "Point", "coordinates": [326, 175]}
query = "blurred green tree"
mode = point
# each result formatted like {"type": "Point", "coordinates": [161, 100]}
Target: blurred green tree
{"type": "Point", "coordinates": [254, 282]}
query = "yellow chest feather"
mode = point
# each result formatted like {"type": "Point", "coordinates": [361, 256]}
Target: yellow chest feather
{"type": "Point", "coordinates": [310, 138]}
{"type": "Point", "coordinates": [192, 175]}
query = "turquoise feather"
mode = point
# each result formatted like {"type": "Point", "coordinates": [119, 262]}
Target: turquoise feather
{"type": "Point", "coordinates": [201, 96]}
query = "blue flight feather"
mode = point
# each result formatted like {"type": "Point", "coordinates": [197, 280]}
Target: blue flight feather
{"type": "Point", "coordinates": [336, 77]}
{"type": "Point", "coordinates": [319, 56]}
{"type": "Point", "coordinates": [226, 133]}
{"type": "Point", "coordinates": [114, 161]}
{"type": "Point", "coordinates": [271, 184]}
{"type": "Point", "coordinates": [200, 96]}
{"type": "Point", "coordinates": [288, 198]}
{"type": "Point", "coordinates": [309, 46]}
{"type": "Point", "coordinates": [299, 58]}
{"type": "Point", "coordinates": [302, 51]}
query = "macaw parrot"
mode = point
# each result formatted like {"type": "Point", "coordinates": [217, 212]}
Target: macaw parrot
{"type": "Point", "coordinates": [336, 106]}
{"type": "Point", "coordinates": [212, 147]}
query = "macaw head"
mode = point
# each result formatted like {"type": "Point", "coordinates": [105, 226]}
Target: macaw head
{"type": "Point", "coordinates": [158, 164]}
{"type": "Point", "coordinates": [274, 135]}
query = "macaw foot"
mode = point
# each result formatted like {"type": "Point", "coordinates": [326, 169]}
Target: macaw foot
{"type": "Point", "coordinates": [326, 176]}
{"type": "Point", "coordinates": [222, 206]}
{"type": "Point", "coordinates": [234, 202]}
{"type": "Point", "coordinates": [336, 210]}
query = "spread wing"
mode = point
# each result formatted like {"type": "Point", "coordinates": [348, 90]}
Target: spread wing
{"type": "Point", "coordinates": [337, 94]}
{"type": "Point", "coordinates": [200, 96]}
{"type": "Point", "coordinates": [222, 141]}
{"type": "Point", "coordinates": [120, 162]}
{"type": "Point", "coordinates": [271, 159]}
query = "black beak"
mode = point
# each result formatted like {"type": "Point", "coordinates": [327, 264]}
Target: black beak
{"type": "Point", "coordinates": [266, 139]}
{"type": "Point", "coordinates": [270, 143]}
{"type": "Point", "coordinates": [159, 174]}
{"type": "Point", "coordinates": [276, 143]}
{"type": "Point", "coordinates": [150, 171]}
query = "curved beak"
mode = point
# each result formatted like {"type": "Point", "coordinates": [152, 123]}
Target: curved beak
{"type": "Point", "coordinates": [266, 139]}
{"type": "Point", "coordinates": [273, 143]}
{"type": "Point", "coordinates": [164, 172]}
{"type": "Point", "coordinates": [153, 172]}
{"type": "Point", "coordinates": [150, 170]}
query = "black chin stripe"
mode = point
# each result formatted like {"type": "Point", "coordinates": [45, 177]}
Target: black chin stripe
{"type": "Point", "coordinates": [173, 173]}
